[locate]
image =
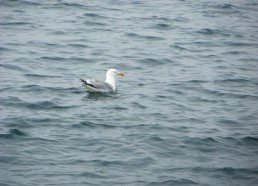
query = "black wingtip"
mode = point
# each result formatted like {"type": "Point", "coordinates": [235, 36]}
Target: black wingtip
{"type": "Point", "coordinates": [86, 83]}
{"type": "Point", "coordinates": [83, 81]}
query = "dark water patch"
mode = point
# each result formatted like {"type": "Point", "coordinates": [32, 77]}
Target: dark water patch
{"type": "Point", "coordinates": [250, 141]}
{"type": "Point", "coordinates": [162, 26]}
{"type": "Point", "coordinates": [92, 175]}
{"type": "Point", "coordinates": [228, 122]}
{"type": "Point", "coordinates": [235, 172]}
{"type": "Point", "coordinates": [16, 132]}
{"type": "Point", "coordinates": [58, 33]}
{"type": "Point", "coordinates": [7, 159]}
{"type": "Point", "coordinates": [100, 96]}
{"type": "Point", "coordinates": [4, 49]}
{"type": "Point", "coordinates": [117, 107]}
{"type": "Point", "coordinates": [13, 133]}
{"type": "Point", "coordinates": [14, 23]}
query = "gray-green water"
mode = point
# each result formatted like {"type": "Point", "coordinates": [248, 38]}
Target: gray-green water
{"type": "Point", "coordinates": [186, 113]}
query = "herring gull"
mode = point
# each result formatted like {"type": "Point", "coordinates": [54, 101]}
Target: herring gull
{"type": "Point", "coordinates": [109, 85]}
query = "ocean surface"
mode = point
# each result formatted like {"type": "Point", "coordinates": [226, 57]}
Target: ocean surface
{"type": "Point", "coordinates": [185, 113]}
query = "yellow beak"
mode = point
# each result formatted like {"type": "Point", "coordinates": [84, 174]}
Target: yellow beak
{"type": "Point", "coordinates": [120, 73]}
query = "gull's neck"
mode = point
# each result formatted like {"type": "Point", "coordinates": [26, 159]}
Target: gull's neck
{"type": "Point", "coordinates": [111, 80]}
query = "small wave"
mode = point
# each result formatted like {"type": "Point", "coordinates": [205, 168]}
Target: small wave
{"type": "Point", "coordinates": [42, 76]}
{"type": "Point", "coordinates": [94, 23]}
{"type": "Point", "coordinates": [226, 170]}
{"type": "Point", "coordinates": [70, 59]}
{"type": "Point", "coordinates": [71, 5]}
{"type": "Point", "coordinates": [152, 61]}
{"type": "Point", "coordinates": [93, 15]}
{"type": "Point", "coordinates": [78, 45]}
{"type": "Point", "coordinates": [228, 94]}
{"type": "Point", "coordinates": [42, 105]}
{"type": "Point", "coordinates": [88, 124]}
{"type": "Point", "coordinates": [208, 31]}
{"type": "Point", "coordinates": [225, 6]}
{"type": "Point", "coordinates": [134, 35]}
{"type": "Point", "coordinates": [241, 44]}
{"type": "Point", "coordinates": [207, 143]}
{"type": "Point", "coordinates": [17, 122]}
{"type": "Point", "coordinates": [45, 105]}
{"type": "Point", "coordinates": [13, 67]}
{"type": "Point", "coordinates": [237, 80]}
{"type": "Point", "coordinates": [138, 105]}
{"type": "Point", "coordinates": [185, 182]}
{"type": "Point", "coordinates": [54, 58]}
{"type": "Point", "coordinates": [179, 47]}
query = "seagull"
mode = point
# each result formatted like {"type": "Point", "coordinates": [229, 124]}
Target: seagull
{"type": "Point", "coordinates": [109, 85]}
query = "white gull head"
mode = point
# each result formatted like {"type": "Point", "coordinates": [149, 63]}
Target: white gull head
{"type": "Point", "coordinates": [110, 77]}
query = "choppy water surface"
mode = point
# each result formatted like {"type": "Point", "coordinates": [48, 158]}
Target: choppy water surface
{"type": "Point", "coordinates": [186, 113]}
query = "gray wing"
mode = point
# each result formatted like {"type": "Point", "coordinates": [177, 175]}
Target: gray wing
{"type": "Point", "coordinates": [98, 85]}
